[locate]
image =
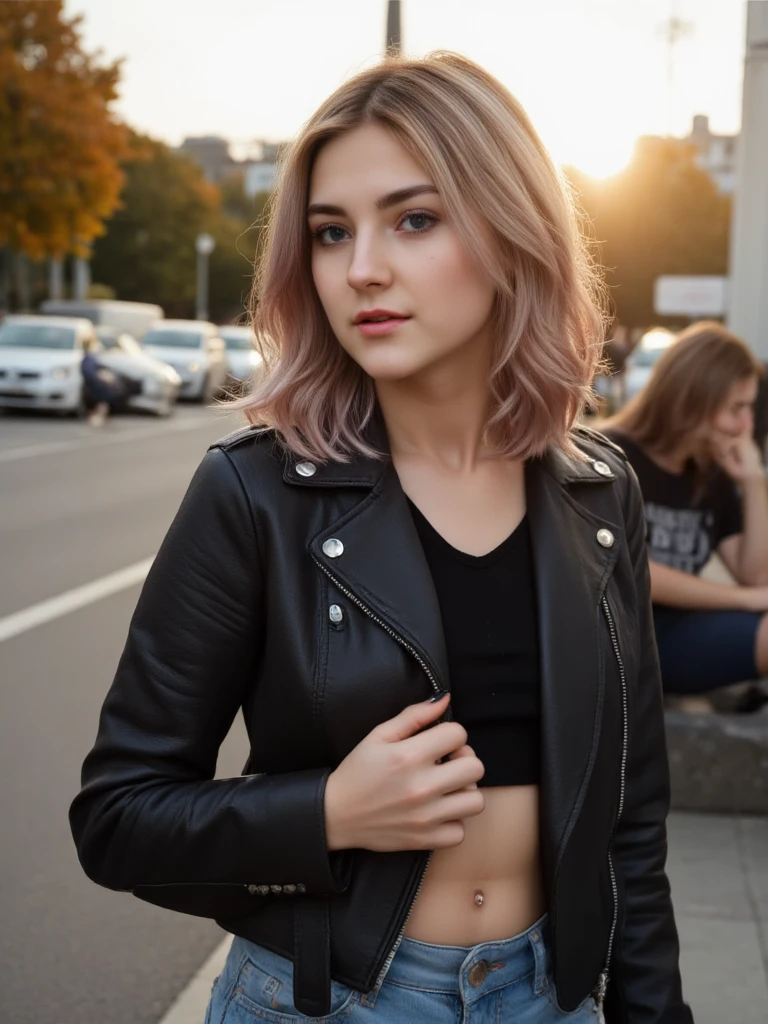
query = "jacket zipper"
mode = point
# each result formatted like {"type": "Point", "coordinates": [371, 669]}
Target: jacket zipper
{"type": "Point", "coordinates": [602, 983]}
{"type": "Point", "coordinates": [436, 687]}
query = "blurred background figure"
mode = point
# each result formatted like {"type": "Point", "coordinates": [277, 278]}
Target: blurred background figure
{"type": "Point", "coordinates": [100, 386]}
{"type": "Point", "coordinates": [689, 436]}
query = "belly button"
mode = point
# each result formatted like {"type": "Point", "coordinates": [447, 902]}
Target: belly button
{"type": "Point", "coordinates": [479, 899]}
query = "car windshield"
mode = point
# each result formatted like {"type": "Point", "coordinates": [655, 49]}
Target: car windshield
{"type": "Point", "coordinates": [237, 342]}
{"type": "Point", "coordinates": [36, 336]}
{"type": "Point", "coordinates": [173, 339]}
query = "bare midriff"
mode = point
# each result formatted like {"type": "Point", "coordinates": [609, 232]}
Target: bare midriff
{"type": "Point", "coordinates": [490, 886]}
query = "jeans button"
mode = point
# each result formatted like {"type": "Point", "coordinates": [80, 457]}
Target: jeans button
{"type": "Point", "coordinates": [478, 973]}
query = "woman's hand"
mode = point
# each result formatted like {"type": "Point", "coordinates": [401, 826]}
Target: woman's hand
{"type": "Point", "coordinates": [739, 456]}
{"type": "Point", "coordinates": [392, 793]}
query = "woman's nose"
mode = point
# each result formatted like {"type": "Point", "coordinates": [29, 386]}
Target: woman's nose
{"type": "Point", "coordinates": [369, 265]}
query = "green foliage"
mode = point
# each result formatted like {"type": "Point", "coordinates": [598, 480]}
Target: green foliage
{"type": "Point", "coordinates": [148, 253]}
{"type": "Point", "coordinates": [661, 215]}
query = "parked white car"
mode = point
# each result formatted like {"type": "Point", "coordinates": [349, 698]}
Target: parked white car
{"type": "Point", "coordinates": [642, 359]}
{"type": "Point", "coordinates": [40, 360]}
{"type": "Point", "coordinates": [135, 318]}
{"type": "Point", "coordinates": [242, 357]}
{"type": "Point", "coordinates": [149, 383]}
{"type": "Point", "coordinates": [195, 350]}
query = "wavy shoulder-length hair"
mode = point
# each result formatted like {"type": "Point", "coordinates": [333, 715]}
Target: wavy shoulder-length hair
{"type": "Point", "coordinates": [490, 168]}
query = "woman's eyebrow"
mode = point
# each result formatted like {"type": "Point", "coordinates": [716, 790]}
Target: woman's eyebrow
{"type": "Point", "coordinates": [382, 203]}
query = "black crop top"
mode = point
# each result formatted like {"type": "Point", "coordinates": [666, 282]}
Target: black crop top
{"type": "Point", "coordinates": [488, 607]}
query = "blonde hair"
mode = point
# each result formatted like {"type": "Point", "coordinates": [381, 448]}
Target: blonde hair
{"type": "Point", "coordinates": [687, 386]}
{"type": "Point", "coordinates": [489, 165]}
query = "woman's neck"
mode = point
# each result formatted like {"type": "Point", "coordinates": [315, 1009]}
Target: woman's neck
{"type": "Point", "coordinates": [439, 421]}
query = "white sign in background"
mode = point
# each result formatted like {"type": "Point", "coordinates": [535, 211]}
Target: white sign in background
{"type": "Point", "coordinates": [676, 295]}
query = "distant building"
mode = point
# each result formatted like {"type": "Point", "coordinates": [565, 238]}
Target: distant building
{"type": "Point", "coordinates": [212, 154]}
{"type": "Point", "coordinates": [258, 176]}
{"type": "Point", "coordinates": [717, 153]}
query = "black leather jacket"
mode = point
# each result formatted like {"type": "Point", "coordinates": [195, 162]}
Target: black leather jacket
{"type": "Point", "coordinates": [235, 614]}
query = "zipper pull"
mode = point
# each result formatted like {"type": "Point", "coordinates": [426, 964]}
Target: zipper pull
{"type": "Point", "coordinates": [600, 989]}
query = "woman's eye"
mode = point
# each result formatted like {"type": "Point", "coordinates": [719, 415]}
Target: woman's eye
{"type": "Point", "coordinates": [329, 234]}
{"type": "Point", "coordinates": [420, 221]}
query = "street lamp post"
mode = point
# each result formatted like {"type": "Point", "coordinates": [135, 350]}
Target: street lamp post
{"type": "Point", "coordinates": [204, 246]}
{"type": "Point", "coordinates": [393, 44]}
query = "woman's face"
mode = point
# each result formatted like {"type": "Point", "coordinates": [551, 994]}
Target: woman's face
{"type": "Point", "coordinates": [381, 241]}
{"type": "Point", "coordinates": [736, 415]}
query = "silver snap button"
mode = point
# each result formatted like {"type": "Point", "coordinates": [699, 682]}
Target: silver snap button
{"type": "Point", "coordinates": [253, 889]}
{"type": "Point", "coordinates": [333, 548]}
{"type": "Point", "coordinates": [306, 468]}
{"type": "Point", "coordinates": [605, 538]}
{"type": "Point", "coordinates": [300, 887]}
{"type": "Point", "coordinates": [290, 888]}
{"type": "Point", "coordinates": [335, 614]}
{"type": "Point", "coordinates": [262, 890]}
{"type": "Point", "coordinates": [276, 888]}
{"type": "Point", "coordinates": [602, 468]}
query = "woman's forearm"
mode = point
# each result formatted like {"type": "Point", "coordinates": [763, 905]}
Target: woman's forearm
{"type": "Point", "coordinates": [684, 590]}
{"type": "Point", "coordinates": [753, 552]}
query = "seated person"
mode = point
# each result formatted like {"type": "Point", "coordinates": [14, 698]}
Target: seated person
{"type": "Point", "coordinates": [689, 437]}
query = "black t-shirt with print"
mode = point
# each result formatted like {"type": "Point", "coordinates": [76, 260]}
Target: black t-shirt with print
{"type": "Point", "coordinates": [683, 532]}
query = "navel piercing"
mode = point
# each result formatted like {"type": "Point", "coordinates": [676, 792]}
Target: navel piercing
{"type": "Point", "coordinates": [479, 899]}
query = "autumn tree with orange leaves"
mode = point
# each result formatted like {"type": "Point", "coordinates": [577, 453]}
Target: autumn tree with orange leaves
{"type": "Point", "coordinates": [60, 144]}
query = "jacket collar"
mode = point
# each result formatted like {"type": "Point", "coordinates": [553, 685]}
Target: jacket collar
{"type": "Point", "coordinates": [368, 472]}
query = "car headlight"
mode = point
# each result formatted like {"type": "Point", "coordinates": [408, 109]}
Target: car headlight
{"type": "Point", "coordinates": [61, 372]}
{"type": "Point", "coordinates": [193, 367]}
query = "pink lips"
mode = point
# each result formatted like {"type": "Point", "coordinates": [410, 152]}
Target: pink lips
{"type": "Point", "coordinates": [376, 329]}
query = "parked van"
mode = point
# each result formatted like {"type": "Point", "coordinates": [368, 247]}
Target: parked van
{"type": "Point", "coordinates": [132, 318]}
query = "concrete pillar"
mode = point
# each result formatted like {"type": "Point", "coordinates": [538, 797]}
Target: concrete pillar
{"type": "Point", "coordinates": [82, 278]}
{"type": "Point", "coordinates": [748, 306]}
{"type": "Point", "coordinates": [56, 278]}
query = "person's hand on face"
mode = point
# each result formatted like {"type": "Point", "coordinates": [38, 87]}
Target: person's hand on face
{"type": "Point", "coordinates": [738, 455]}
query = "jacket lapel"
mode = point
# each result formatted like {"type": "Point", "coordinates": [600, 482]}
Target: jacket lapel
{"type": "Point", "coordinates": [383, 564]}
{"type": "Point", "coordinates": [571, 571]}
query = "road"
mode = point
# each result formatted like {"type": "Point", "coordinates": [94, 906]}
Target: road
{"type": "Point", "coordinates": [78, 504]}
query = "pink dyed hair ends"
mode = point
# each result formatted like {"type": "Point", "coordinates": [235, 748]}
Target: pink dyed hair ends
{"type": "Point", "coordinates": [489, 165]}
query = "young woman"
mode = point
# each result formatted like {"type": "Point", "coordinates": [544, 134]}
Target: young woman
{"type": "Point", "coordinates": [413, 511]}
{"type": "Point", "coordinates": [689, 437]}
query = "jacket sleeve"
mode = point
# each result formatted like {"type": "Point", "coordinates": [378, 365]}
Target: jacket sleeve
{"type": "Point", "coordinates": [150, 813]}
{"type": "Point", "coordinates": [645, 985]}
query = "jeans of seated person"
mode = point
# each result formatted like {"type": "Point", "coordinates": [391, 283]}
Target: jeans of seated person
{"type": "Point", "coordinates": [704, 650]}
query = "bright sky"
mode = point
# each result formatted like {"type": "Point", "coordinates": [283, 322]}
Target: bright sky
{"type": "Point", "coordinates": [593, 74]}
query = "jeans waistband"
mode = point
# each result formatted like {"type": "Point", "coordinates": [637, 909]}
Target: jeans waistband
{"type": "Point", "coordinates": [473, 971]}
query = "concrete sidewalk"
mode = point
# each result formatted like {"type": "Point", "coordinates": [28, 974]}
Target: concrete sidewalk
{"type": "Point", "coordinates": [718, 870]}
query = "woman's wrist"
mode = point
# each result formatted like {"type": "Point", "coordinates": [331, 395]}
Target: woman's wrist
{"type": "Point", "coordinates": [335, 831]}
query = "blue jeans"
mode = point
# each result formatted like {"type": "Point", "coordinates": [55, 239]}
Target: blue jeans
{"type": "Point", "coordinates": [702, 650]}
{"type": "Point", "coordinates": [505, 982]}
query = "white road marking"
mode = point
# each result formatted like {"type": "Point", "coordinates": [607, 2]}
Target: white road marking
{"type": "Point", "coordinates": [86, 441]}
{"type": "Point", "coordinates": [71, 600]}
{"type": "Point", "coordinates": [190, 1004]}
